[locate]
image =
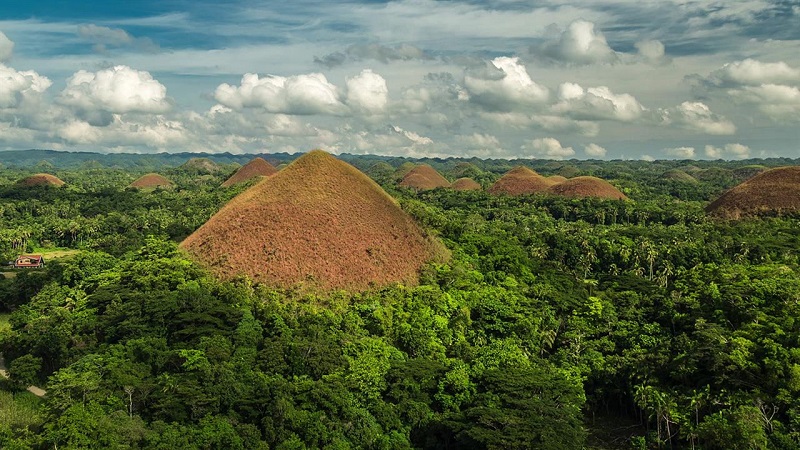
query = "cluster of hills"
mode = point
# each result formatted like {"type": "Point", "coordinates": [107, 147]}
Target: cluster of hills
{"type": "Point", "coordinates": [323, 223]}
{"type": "Point", "coordinates": [520, 180]}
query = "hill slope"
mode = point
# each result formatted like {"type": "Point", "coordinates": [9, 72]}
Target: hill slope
{"type": "Point", "coordinates": [41, 179]}
{"type": "Point", "coordinates": [318, 222]}
{"type": "Point", "coordinates": [466, 184]}
{"type": "Point", "coordinates": [424, 177]}
{"type": "Point", "coordinates": [257, 167]}
{"type": "Point", "coordinates": [151, 180]}
{"type": "Point", "coordinates": [201, 165]}
{"type": "Point", "coordinates": [520, 181]}
{"type": "Point", "coordinates": [587, 187]}
{"type": "Point", "coordinates": [773, 191]}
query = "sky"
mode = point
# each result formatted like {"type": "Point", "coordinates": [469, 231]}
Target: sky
{"type": "Point", "coordinates": [551, 79]}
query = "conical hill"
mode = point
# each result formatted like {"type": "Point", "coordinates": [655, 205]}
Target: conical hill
{"type": "Point", "coordinates": [466, 184]}
{"type": "Point", "coordinates": [520, 181]}
{"type": "Point", "coordinates": [587, 187]}
{"type": "Point", "coordinates": [423, 178]}
{"type": "Point", "coordinates": [257, 167]}
{"type": "Point", "coordinates": [773, 191]}
{"type": "Point", "coordinates": [41, 179]}
{"type": "Point", "coordinates": [151, 181]}
{"type": "Point", "coordinates": [201, 165]}
{"type": "Point", "coordinates": [320, 223]}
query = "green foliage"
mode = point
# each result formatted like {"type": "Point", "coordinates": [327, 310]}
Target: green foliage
{"type": "Point", "coordinates": [552, 314]}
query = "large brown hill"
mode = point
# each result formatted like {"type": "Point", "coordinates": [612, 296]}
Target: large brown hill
{"type": "Point", "coordinates": [257, 167]}
{"type": "Point", "coordinates": [320, 223]}
{"type": "Point", "coordinates": [587, 187]}
{"type": "Point", "coordinates": [520, 181]}
{"type": "Point", "coordinates": [466, 184]}
{"type": "Point", "coordinates": [151, 180]}
{"type": "Point", "coordinates": [773, 191]}
{"type": "Point", "coordinates": [424, 177]}
{"type": "Point", "coordinates": [41, 179]}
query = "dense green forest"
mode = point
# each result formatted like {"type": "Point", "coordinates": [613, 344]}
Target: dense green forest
{"type": "Point", "coordinates": [558, 324]}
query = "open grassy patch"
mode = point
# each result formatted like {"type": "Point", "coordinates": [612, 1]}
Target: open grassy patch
{"type": "Point", "coordinates": [20, 410]}
{"type": "Point", "coordinates": [4, 322]}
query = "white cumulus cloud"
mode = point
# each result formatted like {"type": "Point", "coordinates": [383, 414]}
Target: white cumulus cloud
{"type": "Point", "coordinates": [367, 92]}
{"type": "Point", "coordinates": [503, 85]}
{"type": "Point", "coordinates": [594, 150]}
{"type": "Point", "coordinates": [581, 43]}
{"type": "Point", "coordinates": [751, 72]}
{"type": "Point", "coordinates": [777, 101]}
{"type": "Point", "coordinates": [119, 89]}
{"type": "Point", "coordinates": [680, 152]}
{"type": "Point", "coordinates": [548, 148]}
{"type": "Point", "coordinates": [298, 94]}
{"type": "Point", "coordinates": [597, 103]}
{"type": "Point", "coordinates": [736, 151]}
{"type": "Point", "coordinates": [652, 51]}
{"type": "Point", "coordinates": [697, 116]}
{"type": "Point", "coordinates": [16, 85]}
{"type": "Point", "coordinates": [6, 47]}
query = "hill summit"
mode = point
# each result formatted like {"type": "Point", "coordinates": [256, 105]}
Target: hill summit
{"type": "Point", "coordinates": [201, 165]}
{"type": "Point", "coordinates": [587, 187]}
{"type": "Point", "coordinates": [520, 181]}
{"type": "Point", "coordinates": [319, 222]}
{"type": "Point", "coordinates": [41, 179]}
{"type": "Point", "coordinates": [466, 184]}
{"type": "Point", "coordinates": [773, 191]}
{"type": "Point", "coordinates": [424, 177]}
{"type": "Point", "coordinates": [257, 167]}
{"type": "Point", "coordinates": [151, 180]}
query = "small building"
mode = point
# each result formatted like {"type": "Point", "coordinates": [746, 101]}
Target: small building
{"type": "Point", "coordinates": [29, 262]}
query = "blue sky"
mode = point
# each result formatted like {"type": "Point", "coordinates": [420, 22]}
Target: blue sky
{"type": "Point", "coordinates": [555, 79]}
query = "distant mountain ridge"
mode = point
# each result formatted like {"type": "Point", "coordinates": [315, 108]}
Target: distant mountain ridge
{"type": "Point", "coordinates": [74, 160]}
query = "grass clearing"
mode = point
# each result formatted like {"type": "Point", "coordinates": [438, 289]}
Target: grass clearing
{"type": "Point", "coordinates": [57, 253]}
{"type": "Point", "coordinates": [20, 410]}
{"type": "Point", "coordinates": [4, 322]}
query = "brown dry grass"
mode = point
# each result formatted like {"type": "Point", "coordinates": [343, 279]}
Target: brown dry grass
{"type": "Point", "coordinates": [520, 181]}
{"type": "Point", "coordinates": [41, 179]}
{"type": "Point", "coordinates": [773, 191]}
{"type": "Point", "coordinates": [587, 187]}
{"type": "Point", "coordinates": [424, 177]}
{"type": "Point", "coordinates": [319, 223]}
{"type": "Point", "coordinates": [257, 167]}
{"type": "Point", "coordinates": [555, 179]}
{"type": "Point", "coordinates": [466, 184]}
{"type": "Point", "coordinates": [151, 180]}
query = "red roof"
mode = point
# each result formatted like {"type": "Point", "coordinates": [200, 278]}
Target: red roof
{"type": "Point", "coordinates": [29, 260]}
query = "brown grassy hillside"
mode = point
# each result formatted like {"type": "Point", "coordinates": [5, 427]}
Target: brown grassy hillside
{"type": "Point", "coordinates": [466, 184]}
{"type": "Point", "coordinates": [424, 177]}
{"type": "Point", "coordinates": [151, 180]}
{"type": "Point", "coordinates": [41, 179]}
{"type": "Point", "coordinates": [587, 187]}
{"type": "Point", "coordinates": [257, 167]}
{"type": "Point", "coordinates": [520, 181]}
{"type": "Point", "coordinates": [773, 191]}
{"type": "Point", "coordinates": [555, 179]}
{"type": "Point", "coordinates": [319, 223]}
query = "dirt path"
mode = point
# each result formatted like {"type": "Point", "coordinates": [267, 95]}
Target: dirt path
{"type": "Point", "coordinates": [37, 391]}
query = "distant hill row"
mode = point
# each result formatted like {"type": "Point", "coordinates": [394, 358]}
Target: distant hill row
{"type": "Point", "coordinates": [52, 159]}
